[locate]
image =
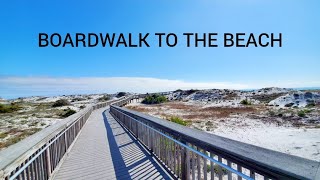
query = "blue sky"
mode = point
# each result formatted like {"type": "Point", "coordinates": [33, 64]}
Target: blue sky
{"type": "Point", "coordinates": [28, 70]}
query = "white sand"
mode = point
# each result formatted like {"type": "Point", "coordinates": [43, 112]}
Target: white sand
{"type": "Point", "coordinates": [295, 141]}
{"type": "Point", "coordinates": [302, 142]}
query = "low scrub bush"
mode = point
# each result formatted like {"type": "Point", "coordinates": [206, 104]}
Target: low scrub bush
{"type": "Point", "coordinates": [68, 112]}
{"type": "Point", "coordinates": [178, 120]}
{"type": "Point", "coordinates": [3, 135]}
{"type": "Point", "coordinates": [61, 102]}
{"type": "Point", "coordinates": [245, 102]}
{"type": "Point", "coordinates": [272, 113]}
{"type": "Point", "coordinates": [304, 112]}
{"type": "Point", "coordinates": [154, 99]}
{"type": "Point", "coordinates": [8, 108]}
{"type": "Point", "coordinates": [104, 98]}
{"type": "Point", "coordinates": [311, 104]}
{"type": "Point", "coordinates": [301, 113]}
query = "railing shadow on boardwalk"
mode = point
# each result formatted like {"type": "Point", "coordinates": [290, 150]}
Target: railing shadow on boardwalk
{"type": "Point", "coordinates": [130, 159]}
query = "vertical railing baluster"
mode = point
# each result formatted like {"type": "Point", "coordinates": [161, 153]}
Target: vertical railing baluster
{"type": "Point", "coordinates": [179, 160]}
{"type": "Point", "coordinates": [66, 142]}
{"type": "Point", "coordinates": [164, 149]}
{"type": "Point", "coordinates": [32, 170]}
{"type": "Point", "coordinates": [193, 165]}
{"type": "Point", "coordinates": [43, 156]}
{"type": "Point", "coordinates": [48, 161]}
{"type": "Point", "coordinates": [28, 172]}
{"type": "Point", "coordinates": [151, 140]}
{"type": "Point", "coordinates": [176, 170]}
{"type": "Point", "coordinates": [198, 164]}
{"type": "Point", "coordinates": [229, 172]}
{"type": "Point", "coordinates": [187, 163]}
{"type": "Point", "coordinates": [204, 166]}
{"type": "Point", "coordinates": [212, 166]}
{"type": "Point", "coordinates": [220, 170]}
{"type": "Point", "coordinates": [183, 163]}
{"type": "Point", "coordinates": [252, 174]}
{"type": "Point", "coordinates": [38, 171]}
{"type": "Point", "coordinates": [159, 145]}
{"type": "Point", "coordinates": [170, 153]}
{"type": "Point", "coordinates": [23, 173]}
{"type": "Point", "coordinates": [239, 168]}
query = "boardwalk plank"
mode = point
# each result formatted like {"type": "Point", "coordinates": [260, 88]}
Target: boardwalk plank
{"type": "Point", "coordinates": [104, 150]}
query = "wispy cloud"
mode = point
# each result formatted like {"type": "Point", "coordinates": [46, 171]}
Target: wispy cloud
{"type": "Point", "coordinates": [11, 87]}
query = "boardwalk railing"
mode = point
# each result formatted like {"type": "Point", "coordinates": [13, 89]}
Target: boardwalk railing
{"type": "Point", "coordinates": [193, 154]}
{"type": "Point", "coordinates": [39, 155]}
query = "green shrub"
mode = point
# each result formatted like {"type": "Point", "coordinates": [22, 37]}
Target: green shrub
{"type": "Point", "coordinates": [209, 123]}
{"type": "Point", "coordinates": [104, 98]}
{"type": "Point", "coordinates": [68, 112]}
{"type": "Point", "coordinates": [154, 99]}
{"type": "Point", "coordinates": [307, 110]}
{"type": "Point", "coordinates": [8, 108]}
{"type": "Point", "coordinates": [245, 102]}
{"type": "Point", "coordinates": [311, 104]}
{"type": "Point", "coordinates": [60, 102]}
{"type": "Point", "coordinates": [208, 168]}
{"type": "Point", "coordinates": [178, 120]}
{"type": "Point", "coordinates": [3, 135]}
{"type": "Point", "coordinates": [301, 113]}
{"type": "Point", "coordinates": [272, 113]}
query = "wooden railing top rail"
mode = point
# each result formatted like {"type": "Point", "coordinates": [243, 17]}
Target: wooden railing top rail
{"type": "Point", "coordinates": [17, 153]}
{"type": "Point", "coordinates": [276, 164]}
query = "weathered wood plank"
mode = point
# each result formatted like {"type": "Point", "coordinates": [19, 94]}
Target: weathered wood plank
{"type": "Point", "coordinates": [104, 150]}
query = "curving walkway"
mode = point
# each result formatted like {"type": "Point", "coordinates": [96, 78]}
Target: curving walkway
{"type": "Point", "coordinates": [104, 150]}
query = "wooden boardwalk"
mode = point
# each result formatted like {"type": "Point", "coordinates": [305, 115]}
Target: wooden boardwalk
{"type": "Point", "coordinates": [104, 150]}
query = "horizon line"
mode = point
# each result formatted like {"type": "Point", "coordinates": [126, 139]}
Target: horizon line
{"type": "Point", "coordinates": [19, 86]}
